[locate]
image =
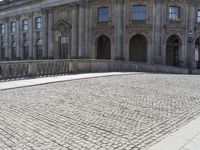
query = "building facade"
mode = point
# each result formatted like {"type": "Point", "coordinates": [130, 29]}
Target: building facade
{"type": "Point", "coordinates": [150, 31]}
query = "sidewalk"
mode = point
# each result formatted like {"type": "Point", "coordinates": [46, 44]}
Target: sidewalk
{"type": "Point", "coordinates": [186, 138]}
{"type": "Point", "coordinates": [45, 80]}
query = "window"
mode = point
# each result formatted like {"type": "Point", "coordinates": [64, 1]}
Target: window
{"type": "Point", "coordinates": [2, 28]}
{"type": "Point", "coordinates": [38, 21]}
{"type": "Point", "coordinates": [139, 13]}
{"type": "Point", "coordinates": [198, 16]}
{"type": "Point", "coordinates": [13, 27]}
{"type": "Point", "coordinates": [39, 49]}
{"type": "Point", "coordinates": [25, 25]}
{"type": "Point", "coordinates": [103, 14]}
{"type": "Point", "coordinates": [174, 13]}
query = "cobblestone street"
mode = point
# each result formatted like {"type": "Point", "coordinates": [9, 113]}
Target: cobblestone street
{"type": "Point", "coordinates": [127, 112]}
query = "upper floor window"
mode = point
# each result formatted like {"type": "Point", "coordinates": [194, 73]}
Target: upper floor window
{"type": "Point", "coordinates": [174, 13]}
{"type": "Point", "coordinates": [198, 16]}
{"type": "Point", "coordinates": [103, 14]}
{"type": "Point", "coordinates": [139, 12]}
{"type": "Point", "coordinates": [2, 28]}
{"type": "Point", "coordinates": [38, 22]}
{"type": "Point", "coordinates": [13, 27]}
{"type": "Point", "coordinates": [25, 25]}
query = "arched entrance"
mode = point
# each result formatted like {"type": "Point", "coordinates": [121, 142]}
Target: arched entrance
{"type": "Point", "coordinates": [63, 47]}
{"type": "Point", "coordinates": [25, 50]}
{"type": "Point", "coordinates": [62, 31]}
{"type": "Point", "coordinates": [103, 47]}
{"type": "Point", "coordinates": [138, 48]}
{"type": "Point", "coordinates": [173, 47]}
{"type": "Point", "coordinates": [39, 50]}
{"type": "Point", "coordinates": [197, 52]}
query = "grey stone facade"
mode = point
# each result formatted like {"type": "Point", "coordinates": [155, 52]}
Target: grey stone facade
{"type": "Point", "coordinates": [155, 40]}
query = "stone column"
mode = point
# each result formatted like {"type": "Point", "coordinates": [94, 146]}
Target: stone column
{"type": "Point", "coordinates": [158, 57]}
{"type": "Point", "coordinates": [191, 46]}
{"type": "Point", "coordinates": [6, 38]}
{"type": "Point", "coordinates": [81, 28]}
{"type": "Point", "coordinates": [74, 49]}
{"type": "Point", "coordinates": [119, 30]}
{"type": "Point", "coordinates": [30, 36]}
{"type": "Point", "coordinates": [50, 34]}
{"type": "Point", "coordinates": [45, 32]}
{"type": "Point", "coordinates": [17, 38]}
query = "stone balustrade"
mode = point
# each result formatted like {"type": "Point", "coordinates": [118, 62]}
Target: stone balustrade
{"type": "Point", "coordinates": [41, 68]}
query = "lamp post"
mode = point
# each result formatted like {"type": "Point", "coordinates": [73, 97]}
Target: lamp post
{"type": "Point", "coordinates": [190, 41]}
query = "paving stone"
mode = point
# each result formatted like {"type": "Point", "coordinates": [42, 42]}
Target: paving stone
{"type": "Point", "coordinates": [117, 112]}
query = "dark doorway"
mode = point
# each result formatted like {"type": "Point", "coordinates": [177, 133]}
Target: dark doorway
{"type": "Point", "coordinates": [39, 50]}
{"type": "Point", "coordinates": [64, 47]}
{"type": "Point", "coordinates": [172, 51]}
{"type": "Point", "coordinates": [26, 50]}
{"type": "Point", "coordinates": [197, 48]}
{"type": "Point", "coordinates": [138, 49]}
{"type": "Point", "coordinates": [103, 47]}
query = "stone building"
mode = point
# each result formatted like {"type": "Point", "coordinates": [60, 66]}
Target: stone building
{"type": "Point", "coordinates": [150, 31]}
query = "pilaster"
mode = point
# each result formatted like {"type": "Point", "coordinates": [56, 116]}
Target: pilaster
{"type": "Point", "coordinates": [74, 49]}
{"type": "Point", "coordinates": [30, 18]}
{"type": "Point", "coordinates": [6, 22]}
{"type": "Point", "coordinates": [119, 30]}
{"type": "Point", "coordinates": [81, 29]}
{"type": "Point", "coordinates": [45, 32]}
{"type": "Point", "coordinates": [17, 38]}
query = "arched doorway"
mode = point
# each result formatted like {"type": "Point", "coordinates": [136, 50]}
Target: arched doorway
{"type": "Point", "coordinates": [63, 47]}
{"type": "Point", "coordinates": [173, 47]}
{"type": "Point", "coordinates": [39, 50]}
{"type": "Point", "coordinates": [13, 51]}
{"type": "Point", "coordinates": [103, 47]}
{"type": "Point", "coordinates": [62, 31]}
{"type": "Point", "coordinates": [197, 52]}
{"type": "Point", "coordinates": [138, 48]}
{"type": "Point", "coordinates": [25, 50]}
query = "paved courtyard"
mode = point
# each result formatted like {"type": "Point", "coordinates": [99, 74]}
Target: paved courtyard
{"type": "Point", "coordinates": [124, 112]}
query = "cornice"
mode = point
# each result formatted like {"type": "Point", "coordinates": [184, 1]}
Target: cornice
{"type": "Point", "coordinates": [18, 3]}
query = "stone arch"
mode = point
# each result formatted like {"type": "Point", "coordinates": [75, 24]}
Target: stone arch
{"type": "Point", "coordinates": [103, 47]}
{"type": "Point", "coordinates": [197, 51]}
{"type": "Point", "coordinates": [138, 48]}
{"type": "Point", "coordinates": [173, 48]}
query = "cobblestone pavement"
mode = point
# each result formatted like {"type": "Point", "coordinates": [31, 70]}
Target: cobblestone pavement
{"type": "Point", "coordinates": [128, 112]}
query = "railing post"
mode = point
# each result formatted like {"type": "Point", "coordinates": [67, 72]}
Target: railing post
{"type": "Point", "coordinates": [32, 69]}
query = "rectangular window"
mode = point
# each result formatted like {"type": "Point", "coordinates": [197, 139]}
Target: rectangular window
{"type": "Point", "coordinates": [13, 27]}
{"type": "Point", "coordinates": [139, 12]}
{"type": "Point", "coordinates": [38, 21]}
{"type": "Point", "coordinates": [174, 13]}
{"type": "Point", "coordinates": [25, 25]}
{"type": "Point", "coordinates": [2, 28]}
{"type": "Point", "coordinates": [198, 16]}
{"type": "Point", "coordinates": [103, 14]}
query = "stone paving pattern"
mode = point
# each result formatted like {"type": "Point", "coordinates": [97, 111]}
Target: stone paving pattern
{"type": "Point", "coordinates": [128, 112]}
